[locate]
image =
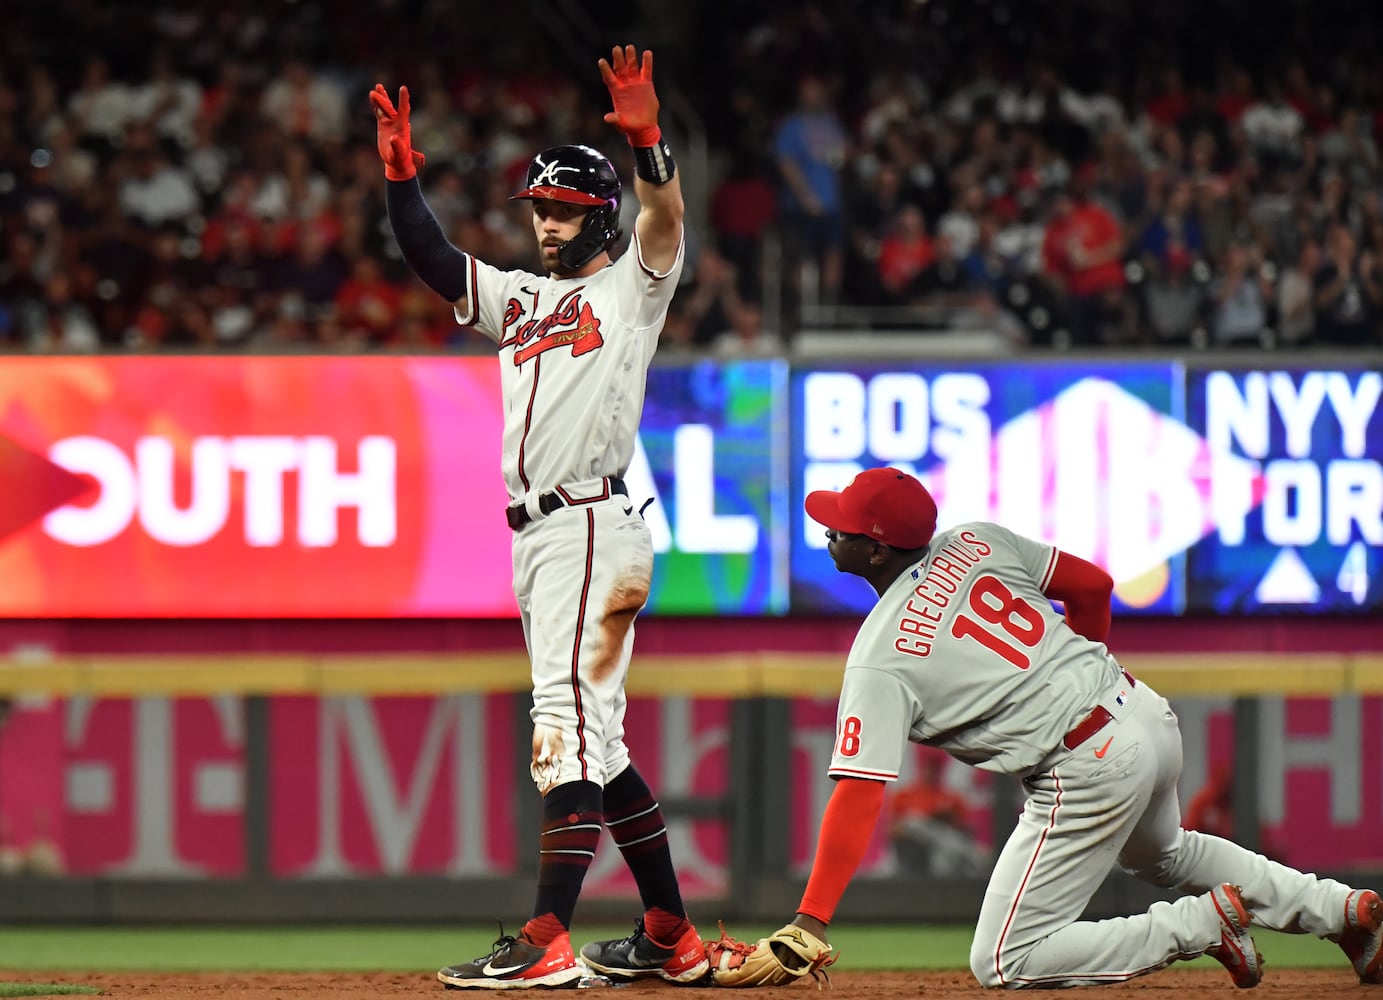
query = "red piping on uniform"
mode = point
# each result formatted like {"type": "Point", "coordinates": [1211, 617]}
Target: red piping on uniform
{"type": "Point", "coordinates": [604, 495]}
{"type": "Point", "coordinates": [576, 644]}
{"type": "Point", "coordinates": [1012, 910]}
{"type": "Point", "coordinates": [856, 773]}
{"type": "Point", "coordinates": [474, 309]}
{"type": "Point", "coordinates": [528, 422]}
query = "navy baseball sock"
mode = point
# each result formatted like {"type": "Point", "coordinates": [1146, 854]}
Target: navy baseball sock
{"type": "Point", "coordinates": [571, 831]}
{"type": "Point", "coordinates": [636, 824]}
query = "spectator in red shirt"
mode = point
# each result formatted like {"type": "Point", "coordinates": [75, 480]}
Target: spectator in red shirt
{"type": "Point", "coordinates": [743, 206]}
{"type": "Point", "coordinates": [1082, 257]}
{"type": "Point", "coordinates": [1171, 103]}
{"type": "Point", "coordinates": [904, 252]}
{"type": "Point", "coordinates": [368, 303]}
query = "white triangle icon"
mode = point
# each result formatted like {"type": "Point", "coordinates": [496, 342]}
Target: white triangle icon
{"type": "Point", "coordinates": [1288, 581]}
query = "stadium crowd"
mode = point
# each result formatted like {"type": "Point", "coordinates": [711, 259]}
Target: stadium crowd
{"type": "Point", "coordinates": [187, 176]}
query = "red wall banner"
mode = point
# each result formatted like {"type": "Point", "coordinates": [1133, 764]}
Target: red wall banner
{"type": "Point", "coordinates": [153, 787]}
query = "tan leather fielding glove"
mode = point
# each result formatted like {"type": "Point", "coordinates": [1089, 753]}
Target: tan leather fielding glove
{"type": "Point", "coordinates": [785, 956]}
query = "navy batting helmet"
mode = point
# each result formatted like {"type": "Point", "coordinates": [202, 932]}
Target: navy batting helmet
{"type": "Point", "coordinates": [578, 175]}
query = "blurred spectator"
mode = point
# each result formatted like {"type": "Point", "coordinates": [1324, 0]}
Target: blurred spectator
{"type": "Point", "coordinates": [944, 281]}
{"type": "Point", "coordinates": [312, 274]}
{"type": "Point", "coordinates": [747, 337]}
{"type": "Point", "coordinates": [100, 107]}
{"type": "Point", "coordinates": [1174, 301]}
{"type": "Point", "coordinates": [1274, 127]}
{"type": "Point", "coordinates": [811, 147]}
{"type": "Point", "coordinates": [1348, 292]}
{"type": "Point", "coordinates": [904, 252]}
{"type": "Point", "coordinates": [305, 104]}
{"type": "Point", "coordinates": [1174, 231]}
{"type": "Point", "coordinates": [64, 324]}
{"type": "Point", "coordinates": [1295, 296]}
{"type": "Point", "coordinates": [155, 191]}
{"type": "Point", "coordinates": [1241, 297]}
{"type": "Point", "coordinates": [368, 303]}
{"type": "Point", "coordinates": [743, 208]}
{"type": "Point", "coordinates": [1082, 255]}
{"type": "Point", "coordinates": [987, 267]}
{"type": "Point", "coordinates": [961, 225]}
{"type": "Point", "coordinates": [165, 102]}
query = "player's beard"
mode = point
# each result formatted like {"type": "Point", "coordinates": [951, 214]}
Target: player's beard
{"type": "Point", "coordinates": [552, 262]}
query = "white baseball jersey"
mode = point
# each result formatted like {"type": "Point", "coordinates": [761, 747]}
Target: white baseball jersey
{"type": "Point", "coordinates": [967, 654]}
{"type": "Point", "coordinates": [574, 356]}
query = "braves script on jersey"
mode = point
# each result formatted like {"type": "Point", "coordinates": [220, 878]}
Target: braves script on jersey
{"type": "Point", "coordinates": [965, 653]}
{"type": "Point", "coordinates": [574, 356]}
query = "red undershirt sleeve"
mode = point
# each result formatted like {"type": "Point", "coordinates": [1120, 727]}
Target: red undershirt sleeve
{"type": "Point", "coordinates": [1084, 589]}
{"type": "Point", "coordinates": [846, 829]}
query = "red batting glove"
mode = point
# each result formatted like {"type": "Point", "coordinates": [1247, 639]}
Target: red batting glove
{"type": "Point", "coordinates": [394, 135]}
{"type": "Point", "coordinates": [631, 92]}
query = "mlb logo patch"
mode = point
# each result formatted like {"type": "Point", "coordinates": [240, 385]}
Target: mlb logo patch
{"type": "Point", "coordinates": [1119, 698]}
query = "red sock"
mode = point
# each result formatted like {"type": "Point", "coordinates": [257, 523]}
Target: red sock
{"type": "Point", "coordinates": [543, 930]}
{"type": "Point", "coordinates": [663, 927]}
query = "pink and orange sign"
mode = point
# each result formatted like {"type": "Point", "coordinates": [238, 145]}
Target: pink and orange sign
{"type": "Point", "coordinates": [252, 487]}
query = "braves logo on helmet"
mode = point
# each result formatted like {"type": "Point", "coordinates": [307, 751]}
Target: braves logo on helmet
{"type": "Point", "coordinates": [548, 175]}
{"type": "Point", "coordinates": [578, 175]}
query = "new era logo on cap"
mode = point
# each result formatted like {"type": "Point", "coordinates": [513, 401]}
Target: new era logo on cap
{"type": "Point", "coordinates": [886, 503]}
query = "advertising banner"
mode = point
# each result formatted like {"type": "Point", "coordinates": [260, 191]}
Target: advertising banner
{"type": "Point", "coordinates": [1240, 492]}
{"type": "Point", "coordinates": [1297, 469]}
{"type": "Point", "coordinates": [282, 487]}
{"type": "Point", "coordinates": [1091, 458]}
{"type": "Point", "coordinates": [365, 787]}
{"type": "Point", "coordinates": [333, 487]}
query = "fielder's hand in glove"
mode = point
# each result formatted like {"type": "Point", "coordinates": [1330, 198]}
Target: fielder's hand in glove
{"type": "Point", "coordinates": [785, 956]}
{"type": "Point", "coordinates": [632, 94]}
{"type": "Point", "coordinates": [394, 134]}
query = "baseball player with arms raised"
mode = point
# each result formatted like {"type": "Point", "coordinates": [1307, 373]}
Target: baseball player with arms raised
{"type": "Point", "coordinates": [964, 651]}
{"type": "Point", "coordinates": [574, 347]}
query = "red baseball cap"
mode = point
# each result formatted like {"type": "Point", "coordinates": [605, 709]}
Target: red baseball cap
{"type": "Point", "coordinates": [886, 504]}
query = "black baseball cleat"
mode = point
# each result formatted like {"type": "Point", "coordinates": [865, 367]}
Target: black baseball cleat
{"type": "Point", "coordinates": [639, 955]}
{"type": "Point", "coordinates": [515, 963]}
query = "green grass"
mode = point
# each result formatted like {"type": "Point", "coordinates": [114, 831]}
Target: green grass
{"type": "Point", "coordinates": [42, 989]}
{"type": "Point", "coordinates": [425, 949]}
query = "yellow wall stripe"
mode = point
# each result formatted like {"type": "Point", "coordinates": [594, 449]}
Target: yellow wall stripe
{"type": "Point", "coordinates": [737, 675]}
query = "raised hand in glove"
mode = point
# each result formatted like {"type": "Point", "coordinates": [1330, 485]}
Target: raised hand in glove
{"type": "Point", "coordinates": [785, 956]}
{"type": "Point", "coordinates": [632, 94]}
{"type": "Point", "coordinates": [394, 135]}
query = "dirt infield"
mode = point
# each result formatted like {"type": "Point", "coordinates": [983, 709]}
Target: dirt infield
{"type": "Point", "coordinates": [1184, 985]}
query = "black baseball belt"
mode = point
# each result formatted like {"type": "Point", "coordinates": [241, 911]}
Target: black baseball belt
{"type": "Point", "coordinates": [518, 515]}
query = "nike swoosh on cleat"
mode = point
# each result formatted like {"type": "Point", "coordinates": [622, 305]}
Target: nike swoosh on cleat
{"type": "Point", "coordinates": [490, 970]}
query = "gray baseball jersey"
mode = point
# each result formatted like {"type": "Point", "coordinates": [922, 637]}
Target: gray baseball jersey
{"type": "Point", "coordinates": [965, 653]}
